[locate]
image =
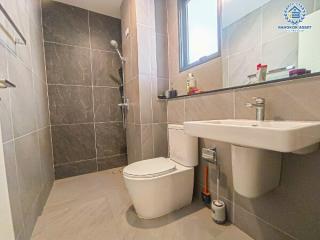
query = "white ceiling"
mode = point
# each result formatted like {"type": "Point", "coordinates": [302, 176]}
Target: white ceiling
{"type": "Point", "coordinates": [106, 7]}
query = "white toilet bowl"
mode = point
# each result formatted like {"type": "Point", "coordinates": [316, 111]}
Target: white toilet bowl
{"type": "Point", "coordinates": [162, 185]}
{"type": "Point", "coordinates": [156, 193]}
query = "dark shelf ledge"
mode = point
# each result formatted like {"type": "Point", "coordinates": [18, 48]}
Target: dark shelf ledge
{"type": "Point", "coordinates": [247, 86]}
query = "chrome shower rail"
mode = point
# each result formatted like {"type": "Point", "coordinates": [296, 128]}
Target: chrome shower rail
{"type": "Point", "coordinates": [17, 41]}
{"type": "Point", "coordinates": [6, 84]}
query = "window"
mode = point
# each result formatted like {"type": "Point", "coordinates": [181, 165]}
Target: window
{"type": "Point", "coordinates": [199, 22]}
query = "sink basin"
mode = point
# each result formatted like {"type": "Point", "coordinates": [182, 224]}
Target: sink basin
{"type": "Point", "coordinates": [280, 136]}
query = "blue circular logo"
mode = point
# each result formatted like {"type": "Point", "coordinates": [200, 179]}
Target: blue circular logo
{"type": "Point", "coordinates": [295, 13]}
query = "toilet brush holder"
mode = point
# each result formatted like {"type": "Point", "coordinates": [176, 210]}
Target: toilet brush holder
{"type": "Point", "coordinates": [218, 214]}
{"type": "Point", "coordinates": [218, 207]}
{"type": "Point", "coordinates": [208, 155]}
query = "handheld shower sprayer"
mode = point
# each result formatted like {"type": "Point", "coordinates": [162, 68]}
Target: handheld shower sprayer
{"type": "Point", "coordinates": [115, 45]}
{"type": "Point", "coordinates": [124, 105]}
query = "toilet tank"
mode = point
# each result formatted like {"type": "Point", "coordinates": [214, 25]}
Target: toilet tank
{"type": "Point", "coordinates": [182, 147]}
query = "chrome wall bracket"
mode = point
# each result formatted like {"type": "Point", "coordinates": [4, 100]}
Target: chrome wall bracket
{"type": "Point", "coordinates": [6, 84]}
{"type": "Point", "coordinates": [209, 155]}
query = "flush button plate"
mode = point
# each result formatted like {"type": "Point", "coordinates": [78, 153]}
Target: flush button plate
{"type": "Point", "coordinates": [209, 155]}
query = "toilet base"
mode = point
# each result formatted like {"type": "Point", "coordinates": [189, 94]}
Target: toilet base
{"type": "Point", "coordinates": [156, 197]}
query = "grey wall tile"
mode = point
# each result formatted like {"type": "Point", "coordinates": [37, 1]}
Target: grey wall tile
{"type": "Point", "coordinates": [67, 64]}
{"type": "Point", "coordinates": [255, 227]}
{"type": "Point", "coordinates": [110, 139]}
{"type": "Point", "coordinates": [37, 51]}
{"type": "Point", "coordinates": [5, 117]}
{"type": "Point", "coordinates": [22, 98]}
{"type": "Point", "coordinates": [106, 102]}
{"type": "Point", "coordinates": [162, 56]}
{"type": "Point", "coordinates": [289, 215]}
{"type": "Point", "coordinates": [42, 107]}
{"type": "Point", "coordinates": [144, 10]}
{"type": "Point", "coordinates": [73, 61]}
{"type": "Point", "coordinates": [160, 85]}
{"type": "Point", "coordinates": [31, 218]}
{"type": "Point", "coordinates": [70, 104]}
{"type": "Point", "coordinates": [34, 7]}
{"type": "Point", "coordinates": [105, 66]}
{"type": "Point", "coordinates": [112, 162]}
{"type": "Point", "coordinates": [159, 110]}
{"type": "Point", "coordinates": [29, 173]}
{"type": "Point", "coordinates": [145, 48]}
{"type": "Point", "coordinates": [23, 52]}
{"type": "Point", "coordinates": [281, 99]}
{"type": "Point", "coordinates": [13, 187]}
{"type": "Point", "coordinates": [115, 110]}
{"type": "Point", "coordinates": [46, 156]}
{"type": "Point", "coordinates": [161, 16]}
{"type": "Point", "coordinates": [145, 95]}
{"type": "Point", "coordinates": [65, 24]}
{"type": "Point", "coordinates": [147, 141]}
{"type": "Point", "coordinates": [29, 107]}
{"type": "Point", "coordinates": [160, 140]}
{"type": "Point", "coordinates": [75, 168]}
{"type": "Point", "coordinates": [176, 111]}
{"type": "Point", "coordinates": [132, 91]}
{"type": "Point", "coordinates": [73, 143]}
{"type": "Point", "coordinates": [217, 106]}
{"type": "Point", "coordinates": [133, 137]}
{"type": "Point", "coordinates": [103, 29]}
{"type": "Point", "coordinates": [5, 106]}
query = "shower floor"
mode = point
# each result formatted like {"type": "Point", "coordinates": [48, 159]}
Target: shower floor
{"type": "Point", "coordinates": [97, 207]}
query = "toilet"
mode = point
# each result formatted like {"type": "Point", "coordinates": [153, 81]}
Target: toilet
{"type": "Point", "coordinates": [162, 185]}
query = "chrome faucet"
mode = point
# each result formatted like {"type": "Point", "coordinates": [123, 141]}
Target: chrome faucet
{"type": "Point", "coordinates": [259, 105]}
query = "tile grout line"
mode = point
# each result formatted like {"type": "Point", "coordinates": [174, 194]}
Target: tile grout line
{"type": "Point", "coordinates": [92, 92]}
{"type": "Point", "coordinates": [78, 85]}
{"type": "Point", "coordinates": [75, 162]}
{"type": "Point", "coordinates": [78, 46]}
{"type": "Point", "coordinates": [267, 223]}
{"type": "Point", "coordinates": [85, 123]}
{"type": "Point", "coordinates": [25, 135]}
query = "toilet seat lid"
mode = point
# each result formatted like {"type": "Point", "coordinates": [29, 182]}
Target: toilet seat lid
{"type": "Point", "coordinates": [149, 168]}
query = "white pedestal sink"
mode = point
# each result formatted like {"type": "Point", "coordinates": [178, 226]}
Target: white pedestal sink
{"type": "Point", "coordinates": [257, 147]}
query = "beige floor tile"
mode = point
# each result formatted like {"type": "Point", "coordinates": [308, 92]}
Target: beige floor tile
{"type": "Point", "coordinates": [97, 206]}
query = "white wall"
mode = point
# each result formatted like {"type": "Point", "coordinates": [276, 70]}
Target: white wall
{"type": "Point", "coordinates": [106, 7]}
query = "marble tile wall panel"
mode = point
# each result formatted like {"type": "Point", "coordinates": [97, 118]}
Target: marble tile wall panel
{"type": "Point", "coordinates": [83, 77]}
{"type": "Point", "coordinates": [24, 119]}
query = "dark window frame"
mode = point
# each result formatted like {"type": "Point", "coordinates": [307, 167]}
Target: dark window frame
{"type": "Point", "coordinates": [183, 38]}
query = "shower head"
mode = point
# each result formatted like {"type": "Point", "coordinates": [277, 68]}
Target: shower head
{"type": "Point", "coordinates": [114, 44]}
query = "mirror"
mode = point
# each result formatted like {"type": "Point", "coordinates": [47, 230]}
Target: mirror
{"type": "Point", "coordinates": [261, 41]}
{"type": "Point", "coordinates": [281, 35]}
